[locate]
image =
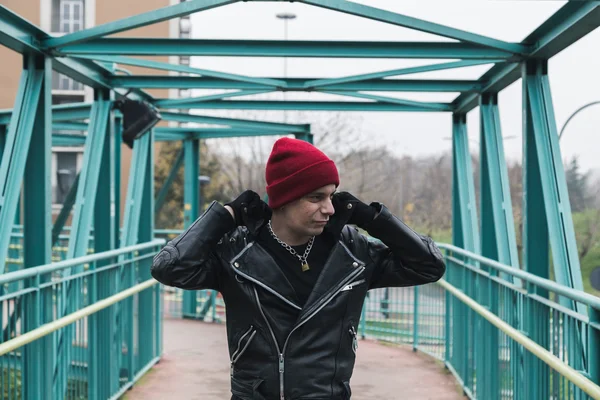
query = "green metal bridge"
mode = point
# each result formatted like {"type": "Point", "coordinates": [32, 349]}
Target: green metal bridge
{"type": "Point", "coordinates": [80, 314]}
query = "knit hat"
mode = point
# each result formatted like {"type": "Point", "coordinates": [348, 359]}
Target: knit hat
{"type": "Point", "coordinates": [296, 168]}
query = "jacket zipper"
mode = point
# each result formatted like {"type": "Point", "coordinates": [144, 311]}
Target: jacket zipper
{"type": "Point", "coordinates": [281, 364]}
{"type": "Point", "coordinates": [312, 314]}
{"type": "Point", "coordinates": [351, 285]}
{"type": "Point", "coordinates": [237, 354]}
{"type": "Point", "coordinates": [353, 333]}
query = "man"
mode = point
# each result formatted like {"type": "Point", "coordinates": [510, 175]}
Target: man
{"type": "Point", "coordinates": [294, 276]}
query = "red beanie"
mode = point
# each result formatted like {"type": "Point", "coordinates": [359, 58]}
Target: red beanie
{"type": "Point", "coordinates": [296, 168]}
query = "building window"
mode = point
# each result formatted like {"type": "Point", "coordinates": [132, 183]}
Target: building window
{"type": "Point", "coordinates": [67, 16]}
{"type": "Point", "coordinates": [64, 174]}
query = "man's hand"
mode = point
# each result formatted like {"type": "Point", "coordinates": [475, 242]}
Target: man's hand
{"type": "Point", "coordinates": [248, 205]}
{"type": "Point", "coordinates": [360, 213]}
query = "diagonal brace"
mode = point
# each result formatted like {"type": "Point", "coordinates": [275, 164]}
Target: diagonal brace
{"type": "Point", "coordinates": [148, 18]}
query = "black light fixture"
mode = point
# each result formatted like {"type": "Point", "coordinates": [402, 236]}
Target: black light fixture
{"type": "Point", "coordinates": [138, 118]}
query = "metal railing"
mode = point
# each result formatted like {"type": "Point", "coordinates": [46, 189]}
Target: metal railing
{"type": "Point", "coordinates": [502, 332]}
{"type": "Point", "coordinates": [76, 329]}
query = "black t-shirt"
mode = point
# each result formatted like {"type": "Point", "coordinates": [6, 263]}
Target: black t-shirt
{"type": "Point", "coordinates": [302, 282]}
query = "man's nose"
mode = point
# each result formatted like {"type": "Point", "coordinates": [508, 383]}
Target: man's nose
{"type": "Point", "coordinates": [328, 208]}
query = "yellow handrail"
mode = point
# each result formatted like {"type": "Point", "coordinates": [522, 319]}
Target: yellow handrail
{"type": "Point", "coordinates": [554, 362]}
{"type": "Point", "coordinates": [50, 327]}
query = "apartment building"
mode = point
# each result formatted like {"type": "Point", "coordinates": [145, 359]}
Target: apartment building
{"type": "Point", "coordinates": [60, 17]}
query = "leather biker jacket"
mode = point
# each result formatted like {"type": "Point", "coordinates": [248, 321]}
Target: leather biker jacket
{"type": "Point", "coordinates": [278, 349]}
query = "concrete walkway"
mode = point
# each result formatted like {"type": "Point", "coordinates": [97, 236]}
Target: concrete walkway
{"type": "Point", "coordinates": [195, 365]}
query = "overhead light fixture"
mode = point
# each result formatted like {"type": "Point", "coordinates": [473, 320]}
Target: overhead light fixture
{"type": "Point", "coordinates": [138, 118]}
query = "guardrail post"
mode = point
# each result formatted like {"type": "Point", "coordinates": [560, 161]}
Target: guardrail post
{"type": "Point", "coordinates": [594, 345]}
{"type": "Point", "coordinates": [416, 318]}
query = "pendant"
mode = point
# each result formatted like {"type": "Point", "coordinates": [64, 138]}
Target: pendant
{"type": "Point", "coordinates": [305, 267]}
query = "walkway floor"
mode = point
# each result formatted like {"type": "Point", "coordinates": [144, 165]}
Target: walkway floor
{"type": "Point", "coordinates": [195, 366]}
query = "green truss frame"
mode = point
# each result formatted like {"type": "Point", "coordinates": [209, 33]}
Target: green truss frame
{"type": "Point", "coordinates": [92, 57]}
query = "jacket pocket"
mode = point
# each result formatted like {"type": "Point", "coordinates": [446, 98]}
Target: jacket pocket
{"type": "Point", "coordinates": [243, 344]}
{"type": "Point", "coordinates": [353, 337]}
{"type": "Point", "coordinates": [246, 390]}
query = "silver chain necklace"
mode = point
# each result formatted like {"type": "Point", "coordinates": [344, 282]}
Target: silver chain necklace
{"type": "Point", "coordinates": [303, 258]}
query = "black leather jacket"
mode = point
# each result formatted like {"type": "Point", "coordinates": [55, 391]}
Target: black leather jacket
{"type": "Point", "coordinates": [279, 350]}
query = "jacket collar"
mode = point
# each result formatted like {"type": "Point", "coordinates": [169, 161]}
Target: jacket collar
{"type": "Point", "coordinates": [254, 263]}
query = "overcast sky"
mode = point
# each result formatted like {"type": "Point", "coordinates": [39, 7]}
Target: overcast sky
{"type": "Point", "coordinates": [574, 73]}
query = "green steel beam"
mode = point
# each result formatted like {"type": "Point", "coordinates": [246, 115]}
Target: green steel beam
{"type": "Point", "coordinates": [167, 103]}
{"type": "Point", "coordinates": [18, 34]}
{"type": "Point", "coordinates": [191, 207]}
{"type": "Point", "coordinates": [280, 48]}
{"type": "Point", "coordinates": [536, 251]}
{"type": "Point", "coordinates": [569, 24]}
{"type": "Point", "coordinates": [392, 100]}
{"type": "Point", "coordinates": [303, 105]}
{"type": "Point", "coordinates": [2, 140]}
{"type": "Point", "coordinates": [165, 66]}
{"type": "Point", "coordinates": [465, 229]}
{"type": "Point", "coordinates": [148, 18]}
{"type": "Point", "coordinates": [498, 236]}
{"type": "Point", "coordinates": [544, 137]}
{"type": "Point", "coordinates": [80, 229]}
{"type": "Point", "coordinates": [22, 36]}
{"type": "Point", "coordinates": [60, 113]}
{"type": "Point", "coordinates": [234, 123]}
{"type": "Point", "coordinates": [162, 194]}
{"type": "Point", "coordinates": [61, 139]}
{"type": "Point", "coordinates": [100, 325]}
{"type": "Point", "coordinates": [71, 112]}
{"type": "Point", "coordinates": [171, 134]}
{"type": "Point", "coordinates": [135, 189]}
{"type": "Point", "coordinates": [65, 211]}
{"type": "Point", "coordinates": [36, 224]}
{"type": "Point", "coordinates": [395, 72]}
{"type": "Point", "coordinates": [17, 145]}
{"type": "Point", "coordinates": [191, 148]}
{"type": "Point", "coordinates": [149, 300]}
{"type": "Point", "coordinates": [69, 126]}
{"type": "Point", "coordinates": [294, 84]}
{"type": "Point", "coordinates": [389, 17]}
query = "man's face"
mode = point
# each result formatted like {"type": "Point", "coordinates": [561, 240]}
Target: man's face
{"type": "Point", "coordinates": [308, 215]}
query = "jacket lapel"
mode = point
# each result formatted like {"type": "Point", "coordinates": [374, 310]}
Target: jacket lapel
{"type": "Point", "coordinates": [341, 266]}
{"type": "Point", "coordinates": [256, 264]}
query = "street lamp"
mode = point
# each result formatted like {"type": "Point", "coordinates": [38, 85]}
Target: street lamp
{"type": "Point", "coordinates": [285, 16]}
{"type": "Point", "coordinates": [575, 113]}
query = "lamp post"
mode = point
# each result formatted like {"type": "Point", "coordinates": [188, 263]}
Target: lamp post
{"type": "Point", "coordinates": [204, 180]}
{"type": "Point", "coordinates": [583, 107]}
{"type": "Point", "coordinates": [285, 17]}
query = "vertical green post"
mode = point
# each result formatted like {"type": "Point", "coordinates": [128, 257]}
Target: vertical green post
{"type": "Point", "coordinates": [465, 234]}
{"type": "Point", "coordinates": [593, 355]}
{"type": "Point", "coordinates": [191, 148]}
{"type": "Point", "coordinates": [416, 318]}
{"type": "Point", "coordinates": [148, 300]}
{"type": "Point", "coordinates": [37, 223]}
{"type": "Point", "coordinates": [104, 364]}
{"type": "Point", "coordinates": [116, 121]}
{"type": "Point", "coordinates": [535, 252]}
{"type": "Point", "coordinates": [3, 131]}
{"type": "Point", "coordinates": [363, 319]}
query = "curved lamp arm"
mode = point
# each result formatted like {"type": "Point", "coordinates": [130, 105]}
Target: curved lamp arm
{"type": "Point", "coordinates": [575, 113]}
